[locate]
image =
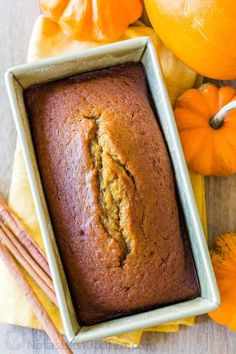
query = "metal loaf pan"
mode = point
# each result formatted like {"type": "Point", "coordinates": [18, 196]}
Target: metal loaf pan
{"type": "Point", "coordinates": [139, 49]}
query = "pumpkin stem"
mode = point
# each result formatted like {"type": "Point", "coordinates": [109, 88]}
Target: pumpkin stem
{"type": "Point", "coordinates": [218, 120]}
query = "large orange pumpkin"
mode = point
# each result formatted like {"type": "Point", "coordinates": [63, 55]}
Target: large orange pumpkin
{"type": "Point", "coordinates": [206, 120]}
{"type": "Point", "coordinates": [202, 33]}
{"type": "Point", "coordinates": [97, 20]}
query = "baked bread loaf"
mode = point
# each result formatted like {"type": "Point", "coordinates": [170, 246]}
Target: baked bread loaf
{"type": "Point", "coordinates": [110, 190]}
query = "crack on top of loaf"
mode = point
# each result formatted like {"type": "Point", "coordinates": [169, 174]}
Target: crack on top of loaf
{"type": "Point", "coordinates": [132, 178]}
{"type": "Point", "coordinates": [113, 198]}
{"type": "Point", "coordinates": [125, 167]}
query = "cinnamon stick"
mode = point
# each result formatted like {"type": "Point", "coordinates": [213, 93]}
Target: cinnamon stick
{"type": "Point", "coordinates": [39, 310]}
{"type": "Point", "coordinates": [24, 258]}
{"type": "Point", "coordinates": [8, 217]}
{"type": "Point", "coordinates": [24, 252]}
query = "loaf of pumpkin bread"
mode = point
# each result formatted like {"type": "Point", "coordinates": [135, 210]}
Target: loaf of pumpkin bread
{"type": "Point", "coordinates": [110, 191]}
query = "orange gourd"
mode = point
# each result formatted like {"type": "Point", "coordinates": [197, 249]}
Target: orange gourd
{"type": "Point", "coordinates": [99, 20]}
{"type": "Point", "coordinates": [224, 262]}
{"type": "Point", "coordinates": [202, 33]}
{"type": "Point", "coordinates": [206, 120]}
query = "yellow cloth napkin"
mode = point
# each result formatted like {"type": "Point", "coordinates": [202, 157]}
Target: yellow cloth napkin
{"type": "Point", "coordinates": [47, 40]}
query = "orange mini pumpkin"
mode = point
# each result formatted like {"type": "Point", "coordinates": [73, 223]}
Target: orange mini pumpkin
{"type": "Point", "coordinates": [206, 120]}
{"type": "Point", "coordinates": [224, 262]}
{"type": "Point", "coordinates": [99, 20]}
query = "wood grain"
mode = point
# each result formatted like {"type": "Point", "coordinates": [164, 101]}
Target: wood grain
{"type": "Point", "coordinates": [17, 17]}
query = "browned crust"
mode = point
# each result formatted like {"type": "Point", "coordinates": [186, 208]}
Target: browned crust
{"type": "Point", "coordinates": [89, 131]}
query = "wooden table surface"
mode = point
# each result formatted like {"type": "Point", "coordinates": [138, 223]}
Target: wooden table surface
{"type": "Point", "coordinates": [17, 18]}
